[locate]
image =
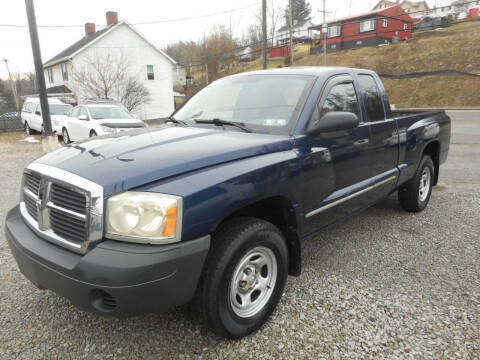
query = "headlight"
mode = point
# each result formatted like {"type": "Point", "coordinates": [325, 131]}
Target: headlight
{"type": "Point", "coordinates": [144, 217]}
{"type": "Point", "coordinates": [107, 129]}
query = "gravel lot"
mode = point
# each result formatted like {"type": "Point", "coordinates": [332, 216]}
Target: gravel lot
{"type": "Point", "coordinates": [384, 284]}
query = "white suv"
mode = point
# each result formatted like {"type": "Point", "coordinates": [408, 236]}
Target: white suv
{"type": "Point", "coordinates": [91, 120]}
{"type": "Point", "coordinates": [31, 114]}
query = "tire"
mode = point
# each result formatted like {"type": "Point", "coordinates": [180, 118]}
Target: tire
{"type": "Point", "coordinates": [93, 133]}
{"type": "Point", "coordinates": [415, 194]}
{"type": "Point", "coordinates": [248, 261]}
{"type": "Point", "coordinates": [66, 137]}
{"type": "Point", "coordinates": [28, 130]}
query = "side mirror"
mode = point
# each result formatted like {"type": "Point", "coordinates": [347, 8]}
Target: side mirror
{"type": "Point", "coordinates": [333, 121]}
{"type": "Point", "coordinates": [38, 113]}
{"type": "Point", "coordinates": [83, 117]}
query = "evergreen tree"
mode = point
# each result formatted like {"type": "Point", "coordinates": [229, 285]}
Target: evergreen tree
{"type": "Point", "coordinates": [301, 10]}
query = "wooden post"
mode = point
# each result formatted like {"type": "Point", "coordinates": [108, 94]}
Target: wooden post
{"type": "Point", "coordinates": [264, 30]}
{"type": "Point", "coordinates": [37, 59]}
{"type": "Point", "coordinates": [290, 24]}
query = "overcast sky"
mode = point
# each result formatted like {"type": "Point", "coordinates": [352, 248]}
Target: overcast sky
{"type": "Point", "coordinates": [15, 41]}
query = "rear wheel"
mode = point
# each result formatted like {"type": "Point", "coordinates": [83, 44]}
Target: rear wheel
{"type": "Point", "coordinates": [415, 194]}
{"type": "Point", "coordinates": [245, 275]}
{"type": "Point", "coordinates": [66, 137]}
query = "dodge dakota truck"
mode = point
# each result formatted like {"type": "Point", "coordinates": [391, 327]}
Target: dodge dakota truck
{"type": "Point", "coordinates": [213, 204]}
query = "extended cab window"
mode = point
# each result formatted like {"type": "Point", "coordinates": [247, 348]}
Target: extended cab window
{"type": "Point", "coordinates": [341, 97]}
{"type": "Point", "coordinates": [373, 100]}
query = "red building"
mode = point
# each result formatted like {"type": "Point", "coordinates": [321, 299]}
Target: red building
{"type": "Point", "coordinates": [279, 51]}
{"type": "Point", "coordinates": [372, 28]}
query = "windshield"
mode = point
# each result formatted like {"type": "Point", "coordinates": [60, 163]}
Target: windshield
{"type": "Point", "coordinates": [109, 112]}
{"type": "Point", "coordinates": [59, 109]}
{"type": "Point", "coordinates": [266, 103]}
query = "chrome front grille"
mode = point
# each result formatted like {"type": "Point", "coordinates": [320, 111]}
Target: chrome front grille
{"type": "Point", "coordinates": [62, 207]}
{"type": "Point", "coordinates": [32, 183]}
{"type": "Point", "coordinates": [68, 199]}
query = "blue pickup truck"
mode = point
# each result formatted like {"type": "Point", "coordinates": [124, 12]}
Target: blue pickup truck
{"type": "Point", "coordinates": [213, 204]}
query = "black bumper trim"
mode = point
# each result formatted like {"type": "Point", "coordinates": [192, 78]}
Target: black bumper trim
{"type": "Point", "coordinates": [140, 278]}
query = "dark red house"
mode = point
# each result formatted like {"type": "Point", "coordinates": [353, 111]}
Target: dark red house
{"type": "Point", "coordinates": [372, 28]}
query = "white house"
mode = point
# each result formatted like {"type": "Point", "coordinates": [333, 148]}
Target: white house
{"type": "Point", "coordinates": [301, 32]}
{"type": "Point", "coordinates": [118, 40]}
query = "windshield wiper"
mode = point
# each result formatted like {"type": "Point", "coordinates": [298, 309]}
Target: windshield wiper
{"type": "Point", "coordinates": [175, 121]}
{"type": "Point", "coordinates": [220, 122]}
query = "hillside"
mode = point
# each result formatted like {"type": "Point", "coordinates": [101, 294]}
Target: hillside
{"type": "Point", "coordinates": [453, 48]}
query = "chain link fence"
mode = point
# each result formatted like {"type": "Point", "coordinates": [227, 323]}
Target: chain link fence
{"type": "Point", "coordinates": [10, 121]}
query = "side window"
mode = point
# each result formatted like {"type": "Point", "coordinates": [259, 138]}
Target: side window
{"type": "Point", "coordinates": [341, 97]}
{"type": "Point", "coordinates": [83, 111]}
{"type": "Point", "coordinates": [373, 100]}
{"type": "Point", "coordinates": [75, 112]}
{"type": "Point", "coordinates": [38, 109]}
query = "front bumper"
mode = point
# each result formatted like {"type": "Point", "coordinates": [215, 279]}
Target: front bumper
{"type": "Point", "coordinates": [114, 278]}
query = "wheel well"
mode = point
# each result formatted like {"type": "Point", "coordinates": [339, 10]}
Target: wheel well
{"type": "Point", "coordinates": [279, 211]}
{"type": "Point", "coordinates": [433, 150]}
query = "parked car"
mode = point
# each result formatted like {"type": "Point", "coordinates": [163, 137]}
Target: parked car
{"type": "Point", "coordinates": [32, 119]}
{"type": "Point", "coordinates": [215, 203]}
{"type": "Point", "coordinates": [91, 120]}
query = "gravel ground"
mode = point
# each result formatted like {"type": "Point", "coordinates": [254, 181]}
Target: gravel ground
{"type": "Point", "coordinates": [384, 284]}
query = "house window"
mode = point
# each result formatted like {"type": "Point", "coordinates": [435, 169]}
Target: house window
{"type": "Point", "coordinates": [64, 72]}
{"type": "Point", "coordinates": [150, 74]}
{"type": "Point", "coordinates": [367, 25]}
{"type": "Point", "coordinates": [405, 26]}
{"type": "Point", "coordinates": [385, 22]}
{"type": "Point", "coordinates": [50, 75]}
{"type": "Point", "coordinates": [334, 31]}
{"type": "Point", "coordinates": [407, 10]}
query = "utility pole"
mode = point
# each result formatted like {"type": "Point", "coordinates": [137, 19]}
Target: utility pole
{"type": "Point", "coordinates": [324, 33]}
{"type": "Point", "coordinates": [264, 30]}
{"type": "Point", "coordinates": [206, 72]}
{"type": "Point", "coordinates": [51, 140]}
{"type": "Point", "coordinates": [12, 85]}
{"type": "Point", "coordinates": [290, 25]}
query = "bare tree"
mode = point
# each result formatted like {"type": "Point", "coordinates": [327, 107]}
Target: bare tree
{"type": "Point", "coordinates": [133, 93]}
{"type": "Point", "coordinates": [110, 77]}
{"type": "Point", "coordinates": [275, 16]}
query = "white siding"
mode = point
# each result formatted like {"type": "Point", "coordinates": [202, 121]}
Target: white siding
{"type": "Point", "coordinates": [123, 41]}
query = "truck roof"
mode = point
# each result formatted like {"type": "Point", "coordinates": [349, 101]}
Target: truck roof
{"type": "Point", "coordinates": [317, 71]}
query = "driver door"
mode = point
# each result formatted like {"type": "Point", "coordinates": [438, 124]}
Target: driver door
{"type": "Point", "coordinates": [84, 123]}
{"type": "Point", "coordinates": [340, 159]}
{"type": "Point", "coordinates": [77, 128]}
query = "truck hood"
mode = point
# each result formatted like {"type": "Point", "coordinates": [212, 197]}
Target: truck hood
{"type": "Point", "coordinates": [130, 159]}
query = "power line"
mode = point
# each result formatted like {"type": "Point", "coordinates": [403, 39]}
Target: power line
{"type": "Point", "coordinates": [141, 23]}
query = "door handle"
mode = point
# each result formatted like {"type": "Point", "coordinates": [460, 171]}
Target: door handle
{"type": "Point", "coordinates": [361, 143]}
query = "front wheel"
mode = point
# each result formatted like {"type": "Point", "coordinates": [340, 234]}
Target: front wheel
{"type": "Point", "coordinates": [28, 130]}
{"type": "Point", "coordinates": [244, 277]}
{"type": "Point", "coordinates": [415, 194]}
{"type": "Point", "coordinates": [66, 137]}
{"type": "Point", "coordinates": [93, 133]}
